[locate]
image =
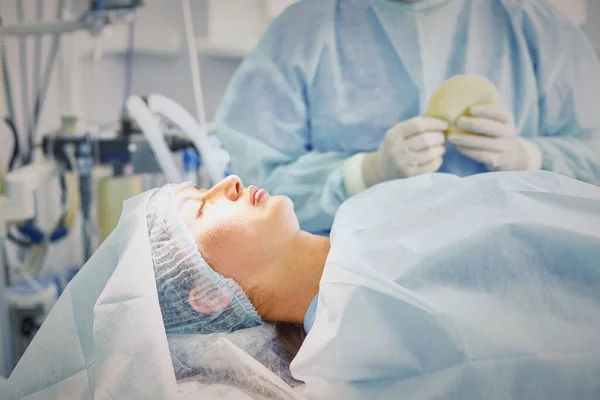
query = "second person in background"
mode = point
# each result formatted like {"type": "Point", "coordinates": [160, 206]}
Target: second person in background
{"type": "Point", "coordinates": [332, 99]}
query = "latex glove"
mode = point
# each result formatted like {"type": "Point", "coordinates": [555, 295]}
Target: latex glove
{"type": "Point", "coordinates": [488, 135]}
{"type": "Point", "coordinates": [409, 148]}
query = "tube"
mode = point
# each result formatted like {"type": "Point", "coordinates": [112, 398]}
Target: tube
{"type": "Point", "coordinates": [138, 110]}
{"type": "Point", "coordinates": [184, 120]}
{"type": "Point", "coordinates": [194, 67]}
{"type": "Point", "coordinates": [25, 87]}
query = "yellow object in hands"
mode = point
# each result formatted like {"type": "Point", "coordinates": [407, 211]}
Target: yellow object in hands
{"type": "Point", "coordinates": [455, 96]}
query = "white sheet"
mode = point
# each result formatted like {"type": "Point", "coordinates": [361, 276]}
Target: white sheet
{"type": "Point", "coordinates": [436, 287]}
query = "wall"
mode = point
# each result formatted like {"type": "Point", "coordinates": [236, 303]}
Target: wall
{"type": "Point", "coordinates": [592, 27]}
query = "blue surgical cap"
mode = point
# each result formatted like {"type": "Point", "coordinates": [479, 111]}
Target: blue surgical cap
{"type": "Point", "coordinates": [183, 276]}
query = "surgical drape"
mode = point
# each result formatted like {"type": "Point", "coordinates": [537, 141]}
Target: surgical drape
{"type": "Point", "coordinates": [439, 287]}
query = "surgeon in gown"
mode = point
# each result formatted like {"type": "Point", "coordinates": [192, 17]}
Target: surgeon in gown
{"type": "Point", "coordinates": [331, 101]}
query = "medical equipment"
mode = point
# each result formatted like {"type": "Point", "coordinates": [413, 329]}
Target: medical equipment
{"type": "Point", "coordinates": [94, 20]}
{"type": "Point", "coordinates": [29, 302]}
{"type": "Point", "coordinates": [191, 165]}
{"type": "Point", "coordinates": [118, 281]}
{"type": "Point", "coordinates": [80, 153]}
{"type": "Point", "coordinates": [112, 192]}
{"type": "Point", "coordinates": [115, 4]}
{"type": "Point", "coordinates": [161, 126]}
{"type": "Point", "coordinates": [17, 204]}
{"type": "Point", "coordinates": [152, 129]}
{"type": "Point", "coordinates": [100, 14]}
{"type": "Point", "coordinates": [145, 110]}
{"type": "Point", "coordinates": [291, 118]}
{"type": "Point", "coordinates": [137, 109]}
{"type": "Point", "coordinates": [193, 297]}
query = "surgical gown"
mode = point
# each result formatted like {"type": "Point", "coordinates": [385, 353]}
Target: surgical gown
{"type": "Point", "coordinates": [329, 78]}
{"type": "Point", "coordinates": [439, 287]}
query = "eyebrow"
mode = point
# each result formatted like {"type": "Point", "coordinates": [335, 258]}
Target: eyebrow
{"type": "Point", "coordinates": [191, 197]}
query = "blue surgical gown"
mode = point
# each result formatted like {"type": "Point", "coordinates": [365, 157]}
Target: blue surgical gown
{"type": "Point", "coordinates": [329, 78]}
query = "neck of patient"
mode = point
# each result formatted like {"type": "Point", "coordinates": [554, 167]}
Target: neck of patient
{"type": "Point", "coordinates": [297, 282]}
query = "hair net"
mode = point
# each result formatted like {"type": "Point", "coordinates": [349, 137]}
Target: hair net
{"type": "Point", "coordinates": [183, 276]}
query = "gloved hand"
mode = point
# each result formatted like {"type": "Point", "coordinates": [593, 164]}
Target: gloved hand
{"type": "Point", "coordinates": [488, 135]}
{"type": "Point", "coordinates": [409, 148]}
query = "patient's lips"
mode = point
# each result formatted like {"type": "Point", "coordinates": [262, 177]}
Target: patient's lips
{"type": "Point", "coordinates": [255, 195]}
{"type": "Point", "coordinates": [260, 195]}
{"type": "Point", "coordinates": [252, 190]}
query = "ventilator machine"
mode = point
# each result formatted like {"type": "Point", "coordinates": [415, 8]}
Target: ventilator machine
{"type": "Point", "coordinates": [90, 169]}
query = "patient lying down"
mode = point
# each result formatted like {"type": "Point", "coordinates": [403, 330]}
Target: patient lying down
{"type": "Point", "coordinates": [267, 260]}
{"type": "Point", "coordinates": [482, 287]}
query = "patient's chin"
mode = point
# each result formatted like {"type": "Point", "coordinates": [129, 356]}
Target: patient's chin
{"type": "Point", "coordinates": [283, 207]}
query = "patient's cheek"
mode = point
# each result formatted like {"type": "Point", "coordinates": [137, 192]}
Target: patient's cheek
{"type": "Point", "coordinates": [224, 250]}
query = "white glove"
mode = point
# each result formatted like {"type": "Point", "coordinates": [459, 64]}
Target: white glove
{"type": "Point", "coordinates": [409, 148]}
{"type": "Point", "coordinates": [488, 135]}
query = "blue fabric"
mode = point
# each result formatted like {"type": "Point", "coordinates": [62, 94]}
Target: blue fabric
{"type": "Point", "coordinates": [439, 287]}
{"type": "Point", "coordinates": [309, 318]}
{"type": "Point", "coordinates": [329, 78]}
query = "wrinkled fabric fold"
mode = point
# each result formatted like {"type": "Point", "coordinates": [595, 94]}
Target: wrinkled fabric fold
{"type": "Point", "coordinates": [460, 288]}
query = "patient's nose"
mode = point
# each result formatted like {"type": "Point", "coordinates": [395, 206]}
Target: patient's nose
{"type": "Point", "coordinates": [230, 187]}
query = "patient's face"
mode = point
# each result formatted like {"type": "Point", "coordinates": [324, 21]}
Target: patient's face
{"type": "Point", "coordinates": [239, 231]}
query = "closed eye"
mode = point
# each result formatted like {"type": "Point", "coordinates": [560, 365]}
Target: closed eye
{"type": "Point", "coordinates": [200, 208]}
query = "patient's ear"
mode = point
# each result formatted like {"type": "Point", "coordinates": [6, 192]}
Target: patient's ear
{"type": "Point", "coordinates": [207, 303]}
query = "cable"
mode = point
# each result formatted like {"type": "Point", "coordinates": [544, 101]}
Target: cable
{"type": "Point", "coordinates": [194, 67]}
{"type": "Point", "coordinates": [25, 87]}
{"type": "Point", "coordinates": [10, 105]}
{"type": "Point", "coordinates": [37, 54]}
{"type": "Point", "coordinates": [43, 89]}
{"type": "Point", "coordinates": [19, 242]}
{"type": "Point", "coordinates": [16, 148]}
{"type": "Point", "coordinates": [129, 65]}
